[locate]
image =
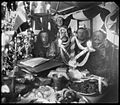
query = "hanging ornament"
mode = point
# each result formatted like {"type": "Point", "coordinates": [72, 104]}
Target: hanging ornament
{"type": "Point", "coordinates": [48, 8]}
{"type": "Point", "coordinates": [4, 4]}
{"type": "Point", "coordinates": [39, 7]}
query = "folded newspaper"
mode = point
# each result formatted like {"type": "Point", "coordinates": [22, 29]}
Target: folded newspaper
{"type": "Point", "coordinates": [34, 61]}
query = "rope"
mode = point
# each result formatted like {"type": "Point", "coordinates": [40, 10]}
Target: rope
{"type": "Point", "coordinates": [62, 48]}
{"type": "Point", "coordinates": [73, 61]}
{"type": "Point", "coordinates": [72, 54]}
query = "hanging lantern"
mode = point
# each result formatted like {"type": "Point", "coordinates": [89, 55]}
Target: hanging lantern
{"type": "Point", "coordinates": [48, 8]}
{"type": "Point", "coordinates": [38, 7]}
{"type": "Point", "coordinates": [4, 4]}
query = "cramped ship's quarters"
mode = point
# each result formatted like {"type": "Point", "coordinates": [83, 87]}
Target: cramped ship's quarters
{"type": "Point", "coordinates": [59, 52]}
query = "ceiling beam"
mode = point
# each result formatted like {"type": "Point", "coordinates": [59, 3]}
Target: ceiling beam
{"type": "Point", "coordinates": [76, 8]}
{"type": "Point", "coordinates": [57, 6]}
{"type": "Point", "coordinates": [66, 9]}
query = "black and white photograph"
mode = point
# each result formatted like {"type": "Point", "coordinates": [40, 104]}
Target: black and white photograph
{"type": "Point", "coordinates": [59, 52]}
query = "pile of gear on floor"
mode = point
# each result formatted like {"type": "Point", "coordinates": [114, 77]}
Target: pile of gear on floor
{"type": "Point", "coordinates": [59, 86]}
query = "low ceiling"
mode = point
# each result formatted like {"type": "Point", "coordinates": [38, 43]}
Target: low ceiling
{"type": "Point", "coordinates": [66, 7]}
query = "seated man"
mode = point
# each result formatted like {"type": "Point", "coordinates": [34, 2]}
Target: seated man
{"type": "Point", "coordinates": [42, 45]}
{"type": "Point", "coordinates": [104, 61]}
{"type": "Point", "coordinates": [61, 22]}
{"type": "Point", "coordinates": [60, 47]}
{"type": "Point", "coordinates": [81, 46]}
{"type": "Point", "coordinates": [81, 49]}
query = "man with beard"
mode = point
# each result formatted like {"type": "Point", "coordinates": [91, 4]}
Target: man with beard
{"type": "Point", "coordinates": [103, 62]}
{"type": "Point", "coordinates": [80, 50]}
{"type": "Point", "coordinates": [81, 46]}
{"type": "Point", "coordinates": [61, 22]}
{"type": "Point", "coordinates": [42, 45]}
{"type": "Point", "coordinates": [60, 47]}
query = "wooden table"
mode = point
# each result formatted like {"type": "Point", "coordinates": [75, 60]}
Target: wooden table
{"type": "Point", "coordinates": [41, 67]}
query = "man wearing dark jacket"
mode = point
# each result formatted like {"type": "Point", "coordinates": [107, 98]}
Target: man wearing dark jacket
{"type": "Point", "coordinates": [104, 61]}
{"type": "Point", "coordinates": [42, 45]}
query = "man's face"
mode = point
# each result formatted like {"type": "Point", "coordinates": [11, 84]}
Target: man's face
{"type": "Point", "coordinates": [59, 21]}
{"type": "Point", "coordinates": [98, 38]}
{"type": "Point", "coordinates": [81, 34]}
{"type": "Point", "coordinates": [63, 32]}
{"type": "Point", "coordinates": [64, 39]}
{"type": "Point", "coordinates": [44, 37]}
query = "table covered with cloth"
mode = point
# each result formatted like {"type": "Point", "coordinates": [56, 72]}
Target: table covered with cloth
{"type": "Point", "coordinates": [52, 63]}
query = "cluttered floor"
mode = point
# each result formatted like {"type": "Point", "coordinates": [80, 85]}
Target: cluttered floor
{"type": "Point", "coordinates": [54, 85]}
